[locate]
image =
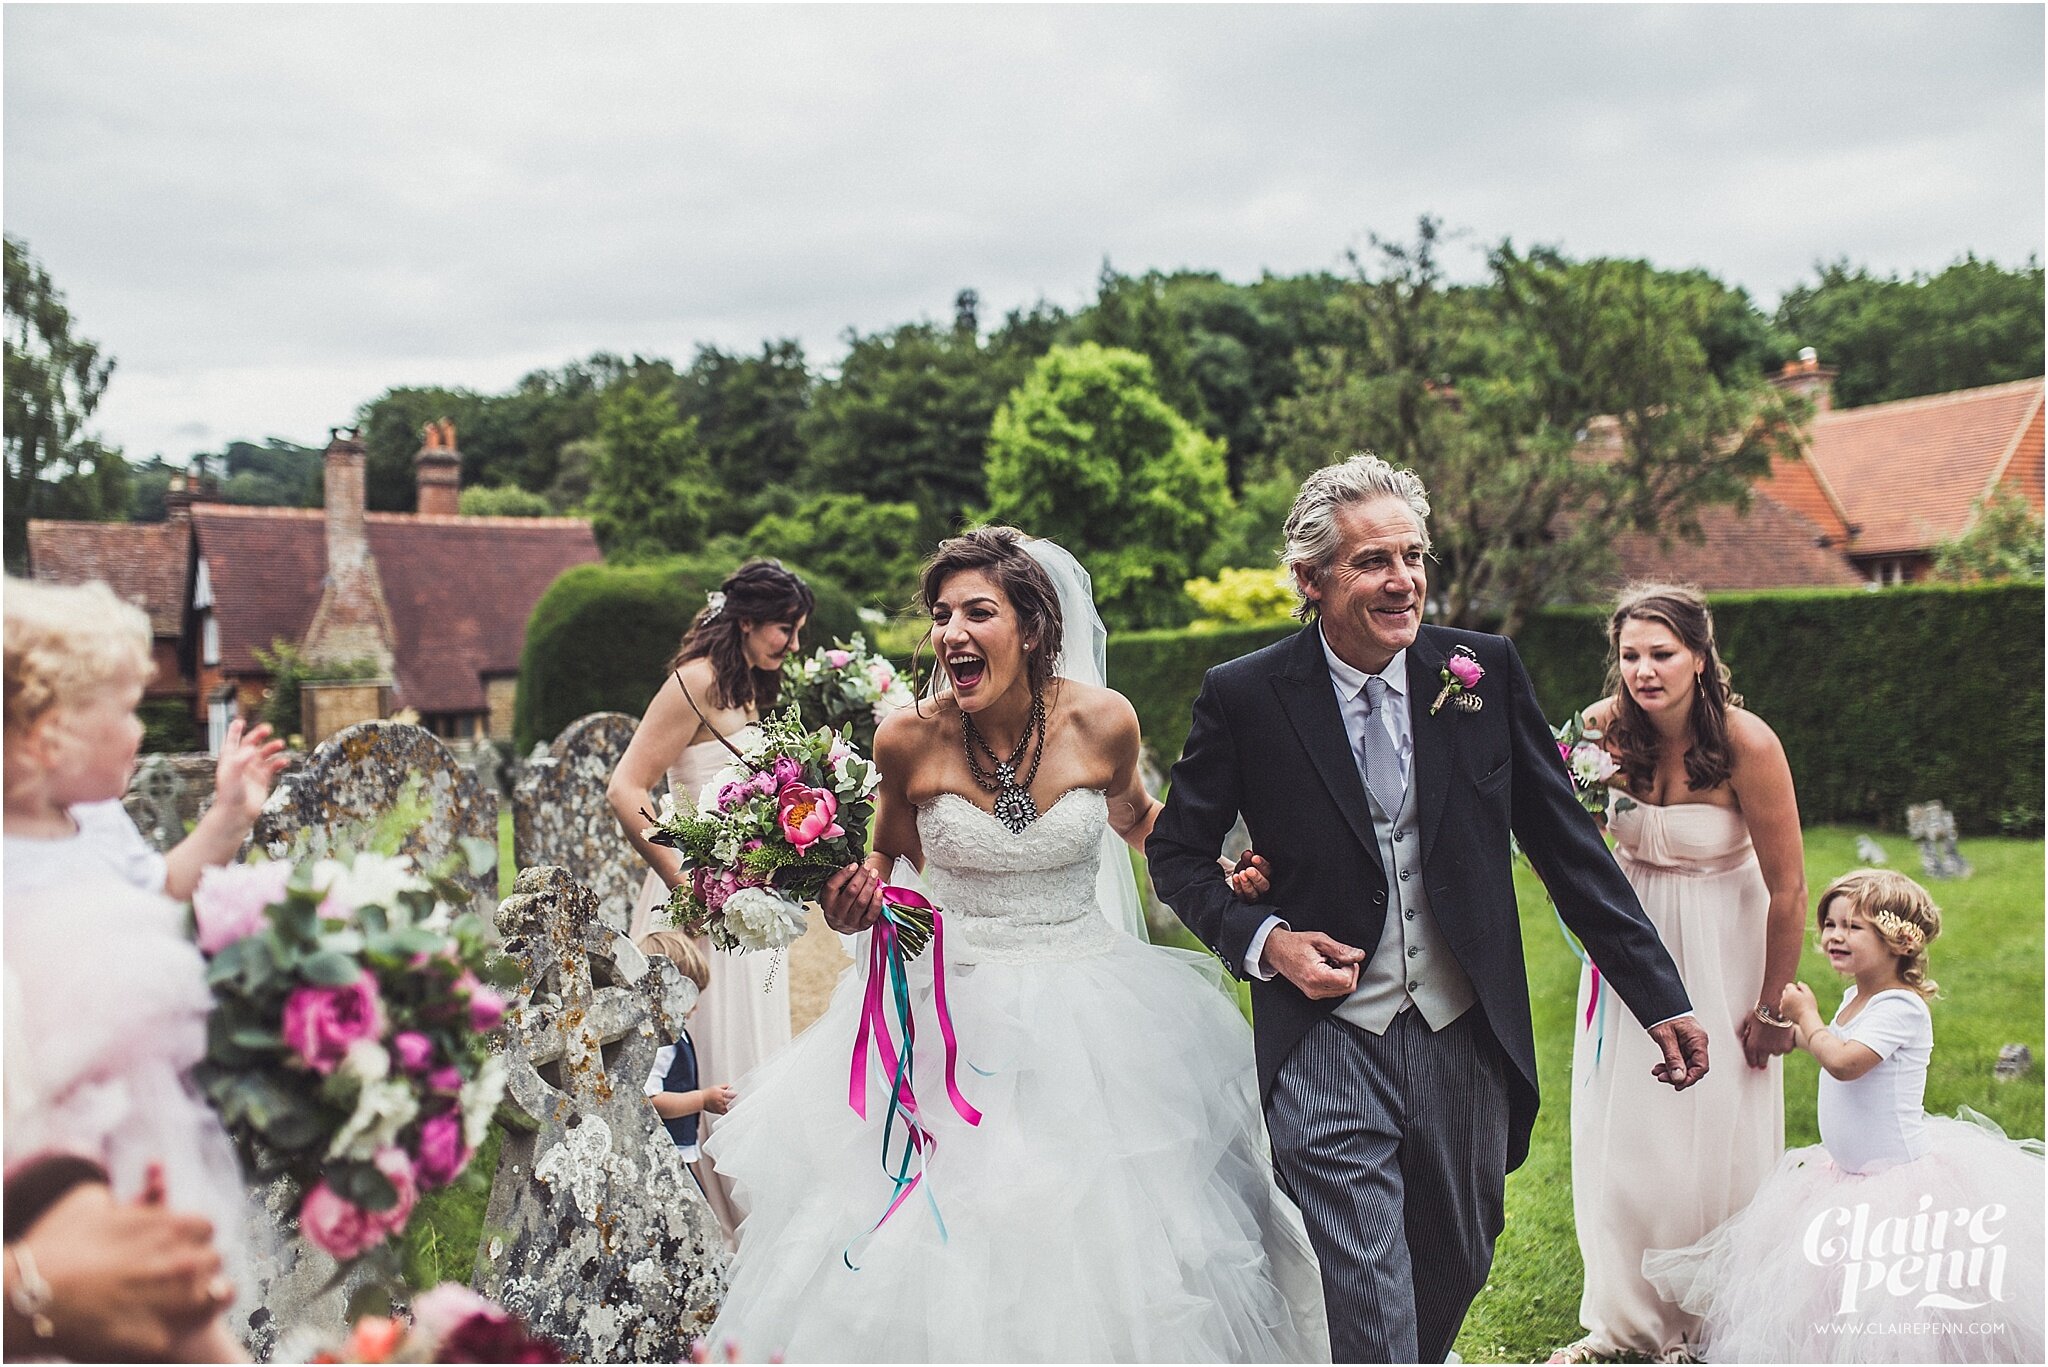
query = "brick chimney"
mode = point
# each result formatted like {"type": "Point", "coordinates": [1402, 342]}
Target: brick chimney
{"type": "Point", "coordinates": [1807, 376]}
{"type": "Point", "coordinates": [438, 468]}
{"type": "Point", "coordinates": [353, 620]}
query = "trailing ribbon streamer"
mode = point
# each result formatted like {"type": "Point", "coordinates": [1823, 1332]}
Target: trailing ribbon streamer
{"type": "Point", "coordinates": [1596, 1002]}
{"type": "Point", "coordinates": [907, 921]}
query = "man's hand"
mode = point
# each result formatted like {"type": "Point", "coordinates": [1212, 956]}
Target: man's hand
{"type": "Point", "coordinates": [1684, 1042]}
{"type": "Point", "coordinates": [852, 899]}
{"type": "Point", "coordinates": [1760, 1042]}
{"type": "Point", "coordinates": [248, 766]}
{"type": "Point", "coordinates": [1320, 966]}
{"type": "Point", "coordinates": [128, 1282]}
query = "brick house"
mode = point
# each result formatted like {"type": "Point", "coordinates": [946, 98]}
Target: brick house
{"type": "Point", "coordinates": [437, 600]}
{"type": "Point", "coordinates": [1877, 490]}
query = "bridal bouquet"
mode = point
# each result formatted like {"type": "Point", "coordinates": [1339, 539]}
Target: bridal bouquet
{"type": "Point", "coordinates": [848, 689]}
{"type": "Point", "coordinates": [349, 1046]}
{"type": "Point", "coordinates": [1587, 761]}
{"type": "Point", "coordinates": [791, 809]}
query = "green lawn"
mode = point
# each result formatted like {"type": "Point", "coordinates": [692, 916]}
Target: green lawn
{"type": "Point", "coordinates": [1987, 960]}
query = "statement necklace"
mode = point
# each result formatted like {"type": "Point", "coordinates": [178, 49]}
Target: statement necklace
{"type": "Point", "coordinates": [1014, 807]}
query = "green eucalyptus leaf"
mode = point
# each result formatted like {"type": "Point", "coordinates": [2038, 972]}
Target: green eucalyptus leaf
{"type": "Point", "coordinates": [329, 969]}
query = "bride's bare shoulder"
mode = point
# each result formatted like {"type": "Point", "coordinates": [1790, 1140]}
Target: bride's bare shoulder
{"type": "Point", "coordinates": [1100, 711]}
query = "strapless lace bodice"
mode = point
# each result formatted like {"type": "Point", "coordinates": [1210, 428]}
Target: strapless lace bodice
{"type": "Point", "coordinates": [1017, 897]}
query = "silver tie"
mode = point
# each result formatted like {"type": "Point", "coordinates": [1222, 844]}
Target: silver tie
{"type": "Point", "coordinates": [1382, 761]}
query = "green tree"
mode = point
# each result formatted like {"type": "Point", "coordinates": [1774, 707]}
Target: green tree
{"type": "Point", "coordinates": [907, 421]}
{"type": "Point", "coordinates": [1974, 323]}
{"type": "Point", "coordinates": [1086, 452]}
{"type": "Point", "coordinates": [1556, 406]}
{"type": "Point", "coordinates": [55, 378]}
{"type": "Point", "coordinates": [650, 490]}
{"type": "Point", "coordinates": [870, 548]}
{"type": "Point", "coordinates": [502, 500]}
{"type": "Point", "coordinates": [749, 412]}
{"type": "Point", "coordinates": [2003, 541]}
{"type": "Point", "coordinates": [1133, 312]}
{"type": "Point", "coordinates": [391, 426]}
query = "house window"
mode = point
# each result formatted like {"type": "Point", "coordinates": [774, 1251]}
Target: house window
{"type": "Point", "coordinates": [209, 640]}
{"type": "Point", "coordinates": [202, 587]}
{"type": "Point", "coordinates": [219, 713]}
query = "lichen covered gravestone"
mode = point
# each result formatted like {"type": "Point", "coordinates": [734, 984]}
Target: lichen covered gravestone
{"type": "Point", "coordinates": [1933, 827]}
{"type": "Point", "coordinates": [595, 1231]}
{"type": "Point", "coordinates": [560, 814]}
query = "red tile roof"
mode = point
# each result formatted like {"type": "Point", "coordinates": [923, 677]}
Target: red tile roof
{"type": "Point", "coordinates": [460, 588]}
{"type": "Point", "coordinates": [143, 562]}
{"type": "Point", "coordinates": [1769, 547]}
{"type": "Point", "coordinates": [1800, 486]}
{"type": "Point", "coordinates": [1908, 471]}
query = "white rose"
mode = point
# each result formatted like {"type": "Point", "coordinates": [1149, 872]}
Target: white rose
{"type": "Point", "coordinates": [1591, 764]}
{"type": "Point", "coordinates": [368, 880]}
{"type": "Point", "coordinates": [383, 1109]}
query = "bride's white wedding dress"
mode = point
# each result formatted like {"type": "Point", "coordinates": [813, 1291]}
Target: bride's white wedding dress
{"type": "Point", "coordinates": [1115, 1204]}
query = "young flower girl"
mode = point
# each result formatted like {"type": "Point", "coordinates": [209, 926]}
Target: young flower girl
{"type": "Point", "coordinates": [1901, 1237]}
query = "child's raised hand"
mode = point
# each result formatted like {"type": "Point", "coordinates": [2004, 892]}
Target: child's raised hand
{"type": "Point", "coordinates": [249, 764]}
{"type": "Point", "coordinates": [718, 1099]}
{"type": "Point", "coordinates": [1796, 1003]}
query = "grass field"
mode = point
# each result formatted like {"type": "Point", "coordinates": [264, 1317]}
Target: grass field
{"type": "Point", "coordinates": [1988, 961]}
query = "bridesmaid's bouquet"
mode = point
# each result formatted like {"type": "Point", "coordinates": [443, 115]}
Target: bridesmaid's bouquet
{"type": "Point", "coordinates": [1587, 761]}
{"type": "Point", "coordinates": [846, 688]}
{"type": "Point", "coordinates": [767, 831]}
{"type": "Point", "coordinates": [350, 1044]}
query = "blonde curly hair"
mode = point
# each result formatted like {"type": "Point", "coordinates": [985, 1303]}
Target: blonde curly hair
{"type": "Point", "coordinates": [680, 950]}
{"type": "Point", "coordinates": [66, 642]}
{"type": "Point", "coordinates": [1899, 910]}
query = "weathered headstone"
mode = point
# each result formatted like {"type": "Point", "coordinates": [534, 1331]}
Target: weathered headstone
{"type": "Point", "coordinates": [560, 814]}
{"type": "Point", "coordinates": [1933, 827]}
{"type": "Point", "coordinates": [323, 807]}
{"type": "Point", "coordinates": [2013, 1062]}
{"type": "Point", "coordinates": [1868, 851]}
{"type": "Point", "coordinates": [360, 774]}
{"type": "Point", "coordinates": [152, 801]}
{"type": "Point", "coordinates": [595, 1232]}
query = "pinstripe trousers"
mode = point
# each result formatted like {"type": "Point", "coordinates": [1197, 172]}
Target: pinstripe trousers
{"type": "Point", "coordinates": [1395, 1148]}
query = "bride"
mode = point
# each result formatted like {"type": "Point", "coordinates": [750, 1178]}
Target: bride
{"type": "Point", "coordinates": [1115, 1202]}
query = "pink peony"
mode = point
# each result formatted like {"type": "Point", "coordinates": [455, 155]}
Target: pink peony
{"type": "Point", "coordinates": [713, 886]}
{"type": "Point", "coordinates": [838, 659]}
{"type": "Point", "coordinates": [787, 771]}
{"type": "Point", "coordinates": [732, 795]}
{"type": "Point", "coordinates": [486, 1006]}
{"type": "Point", "coordinates": [229, 903]}
{"type": "Point", "coordinates": [442, 1155]}
{"type": "Point", "coordinates": [764, 783]}
{"type": "Point", "coordinates": [445, 1081]}
{"type": "Point", "coordinates": [320, 1023]}
{"type": "Point", "coordinates": [412, 1051]}
{"type": "Point", "coordinates": [806, 815]}
{"type": "Point", "coordinates": [392, 1162]}
{"type": "Point", "coordinates": [1465, 670]}
{"type": "Point", "coordinates": [338, 1227]}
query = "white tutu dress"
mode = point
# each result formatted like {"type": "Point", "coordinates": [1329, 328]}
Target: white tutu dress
{"type": "Point", "coordinates": [1115, 1203]}
{"type": "Point", "coordinates": [1901, 1237]}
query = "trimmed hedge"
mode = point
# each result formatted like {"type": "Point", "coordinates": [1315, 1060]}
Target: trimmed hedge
{"type": "Point", "coordinates": [599, 636]}
{"type": "Point", "coordinates": [1907, 695]}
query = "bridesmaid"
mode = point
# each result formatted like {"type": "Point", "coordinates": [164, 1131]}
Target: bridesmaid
{"type": "Point", "coordinates": [731, 661]}
{"type": "Point", "coordinates": [1706, 827]}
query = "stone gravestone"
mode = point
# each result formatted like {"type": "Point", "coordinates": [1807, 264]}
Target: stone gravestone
{"type": "Point", "coordinates": [359, 774]}
{"type": "Point", "coordinates": [595, 1231]}
{"type": "Point", "coordinates": [560, 814]}
{"type": "Point", "coordinates": [153, 800]}
{"type": "Point", "coordinates": [326, 806]}
{"type": "Point", "coordinates": [1933, 827]}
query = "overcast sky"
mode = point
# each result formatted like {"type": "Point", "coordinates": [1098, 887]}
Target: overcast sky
{"type": "Point", "coordinates": [269, 215]}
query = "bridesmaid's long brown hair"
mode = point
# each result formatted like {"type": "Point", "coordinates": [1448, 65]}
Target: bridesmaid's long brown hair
{"type": "Point", "coordinates": [1709, 758]}
{"type": "Point", "coordinates": [759, 591]}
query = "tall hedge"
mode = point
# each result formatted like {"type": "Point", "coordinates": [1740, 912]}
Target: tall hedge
{"type": "Point", "coordinates": [1882, 699]}
{"type": "Point", "coordinates": [600, 635]}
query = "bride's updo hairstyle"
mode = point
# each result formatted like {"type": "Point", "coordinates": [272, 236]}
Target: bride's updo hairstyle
{"type": "Point", "coordinates": [999, 553]}
{"type": "Point", "coordinates": [760, 591]}
{"type": "Point", "coordinates": [1682, 612]}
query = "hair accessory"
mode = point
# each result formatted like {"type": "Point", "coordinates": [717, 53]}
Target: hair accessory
{"type": "Point", "coordinates": [1897, 930]}
{"type": "Point", "coordinates": [714, 603]}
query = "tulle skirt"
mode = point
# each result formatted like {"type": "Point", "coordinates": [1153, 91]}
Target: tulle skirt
{"type": "Point", "coordinates": [1936, 1260]}
{"type": "Point", "coordinates": [1115, 1204]}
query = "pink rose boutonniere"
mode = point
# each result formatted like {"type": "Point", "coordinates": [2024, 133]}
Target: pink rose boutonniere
{"type": "Point", "coordinates": [1461, 674]}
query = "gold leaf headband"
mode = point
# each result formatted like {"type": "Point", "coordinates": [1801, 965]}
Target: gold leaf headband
{"type": "Point", "coordinates": [1897, 930]}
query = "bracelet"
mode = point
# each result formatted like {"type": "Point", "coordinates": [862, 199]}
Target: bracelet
{"type": "Point", "coordinates": [30, 1295]}
{"type": "Point", "coordinates": [1770, 1017]}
